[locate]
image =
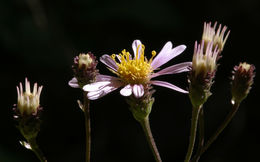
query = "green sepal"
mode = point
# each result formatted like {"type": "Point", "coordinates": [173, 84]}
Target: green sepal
{"type": "Point", "coordinates": [140, 108]}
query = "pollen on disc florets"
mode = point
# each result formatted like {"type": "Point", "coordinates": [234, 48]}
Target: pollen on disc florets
{"type": "Point", "coordinates": [134, 71]}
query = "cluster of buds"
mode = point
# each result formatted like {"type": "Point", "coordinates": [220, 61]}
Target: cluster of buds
{"type": "Point", "coordinates": [204, 63]}
{"type": "Point", "coordinates": [242, 81]}
{"type": "Point", "coordinates": [84, 69]}
{"type": "Point", "coordinates": [27, 110]}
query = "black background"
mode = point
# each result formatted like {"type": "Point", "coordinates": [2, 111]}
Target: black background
{"type": "Point", "coordinates": [38, 40]}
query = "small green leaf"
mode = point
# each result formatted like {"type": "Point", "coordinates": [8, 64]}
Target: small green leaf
{"type": "Point", "coordinates": [25, 144]}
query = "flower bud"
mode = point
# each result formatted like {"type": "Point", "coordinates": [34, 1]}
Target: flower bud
{"type": "Point", "coordinates": [242, 80]}
{"type": "Point", "coordinates": [84, 69]}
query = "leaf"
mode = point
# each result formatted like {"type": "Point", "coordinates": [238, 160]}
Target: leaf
{"type": "Point", "coordinates": [25, 144]}
{"type": "Point", "coordinates": [80, 105]}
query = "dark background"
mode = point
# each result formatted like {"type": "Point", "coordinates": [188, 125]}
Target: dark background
{"type": "Point", "coordinates": [38, 40]}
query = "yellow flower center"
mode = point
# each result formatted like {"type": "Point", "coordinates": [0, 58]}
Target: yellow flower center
{"type": "Point", "coordinates": [134, 71]}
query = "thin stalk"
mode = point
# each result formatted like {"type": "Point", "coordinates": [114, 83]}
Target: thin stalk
{"type": "Point", "coordinates": [148, 133]}
{"type": "Point", "coordinates": [35, 148]}
{"type": "Point", "coordinates": [224, 124]}
{"type": "Point", "coordinates": [194, 122]}
{"type": "Point", "coordinates": [201, 136]}
{"type": "Point", "coordinates": [87, 126]}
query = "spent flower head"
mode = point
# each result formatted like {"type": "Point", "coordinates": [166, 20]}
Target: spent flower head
{"type": "Point", "coordinates": [28, 102]}
{"type": "Point", "coordinates": [218, 37]}
{"type": "Point", "coordinates": [242, 80]}
{"type": "Point", "coordinates": [84, 69]}
{"type": "Point", "coordinates": [27, 110]}
{"type": "Point", "coordinates": [134, 73]}
{"type": "Point", "coordinates": [204, 66]}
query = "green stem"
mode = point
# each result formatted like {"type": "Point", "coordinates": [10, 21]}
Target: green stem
{"type": "Point", "coordinates": [148, 133]}
{"type": "Point", "coordinates": [224, 124]}
{"type": "Point", "coordinates": [201, 136]}
{"type": "Point", "coordinates": [194, 122]}
{"type": "Point", "coordinates": [87, 126]}
{"type": "Point", "coordinates": [36, 149]}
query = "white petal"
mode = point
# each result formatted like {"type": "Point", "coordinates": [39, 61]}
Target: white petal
{"type": "Point", "coordinates": [138, 90]}
{"type": "Point", "coordinates": [96, 86]}
{"type": "Point", "coordinates": [166, 54]}
{"type": "Point", "coordinates": [107, 60]}
{"type": "Point", "coordinates": [93, 95]}
{"type": "Point", "coordinates": [137, 44]}
{"type": "Point", "coordinates": [126, 91]}
{"type": "Point", "coordinates": [167, 85]}
{"type": "Point", "coordinates": [98, 94]}
{"type": "Point", "coordinates": [178, 68]}
{"type": "Point", "coordinates": [74, 83]}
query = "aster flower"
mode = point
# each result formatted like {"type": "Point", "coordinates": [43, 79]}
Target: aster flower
{"type": "Point", "coordinates": [218, 37]}
{"type": "Point", "coordinates": [135, 72]}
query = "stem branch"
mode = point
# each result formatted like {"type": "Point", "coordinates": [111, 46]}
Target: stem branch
{"type": "Point", "coordinates": [221, 127]}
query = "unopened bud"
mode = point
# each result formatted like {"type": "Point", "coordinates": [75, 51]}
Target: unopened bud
{"type": "Point", "coordinates": [242, 80]}
{"type": "Point", "coordinates": [84, 69]}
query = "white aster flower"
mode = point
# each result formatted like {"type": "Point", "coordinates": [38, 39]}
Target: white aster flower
{"type": "Point", "coordinates": [134, 73]}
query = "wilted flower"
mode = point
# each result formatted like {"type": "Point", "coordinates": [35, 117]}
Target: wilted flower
{"type": "Point", "coordinates": [84, 69]}
{"type": "Point", "coordinates": [242, 80]}
{"type": "Point", "coordinates": [217, 37]}
{"type": "Point", "coordinates": [202, 73]}
{"type": "Point", "coordinates": [28, 102]}
{"type": "Point", "coordinates": [135, 73]}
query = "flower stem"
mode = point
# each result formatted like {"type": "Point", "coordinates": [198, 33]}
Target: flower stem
{"type": "Point", "coordinates": [147, 130]}
{"type": "Point", "coordinates": [36, 149]}
{"type": "Point", "coordinates": [194, 122]}
{"type": "Point", "coordinates": [224, 124]}
{"type": "Point", "coordinates": [201, 136]}
{"type": "Point", "coordinates": [87, 126]}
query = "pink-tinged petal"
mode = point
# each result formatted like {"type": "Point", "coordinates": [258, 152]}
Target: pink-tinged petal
{"type": "Point", "coordinates": [164, 51]}
{"type": "Point", "coordinates": [98, 94]}
{"type": "Point", "coordinates": [138, 90]}
{"type": "Point", "coordinates": [178, 68]}
{"type": "Point", "coordinates": [167, 85]}
{"type": "Point", "coordinates": [101, 77]}
{"type": "Point", "coordinates": [104, 90]}
{"type": "Point", "coordinates": [108, 61]}
{"type": "Point", "coordinates": [74, 83]}
{"type": "Point", "coordinates": [166, 54]}
{"type": "Point", "coordinates": [126, 91]}
{"type": "Point", "coordinates": [137, 44]}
